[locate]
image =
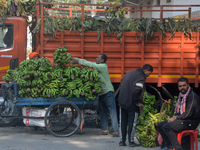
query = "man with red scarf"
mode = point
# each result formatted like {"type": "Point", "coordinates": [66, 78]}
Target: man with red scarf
{"type": "Point", "coordinates": [186, 117]}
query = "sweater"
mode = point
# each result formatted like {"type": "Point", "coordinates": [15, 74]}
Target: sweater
{"type": "Point", "coordinates": [131, 89]}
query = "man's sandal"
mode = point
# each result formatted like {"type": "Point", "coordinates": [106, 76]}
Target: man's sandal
{"type": "Point", "coordinates": [116, 134]}
{"type": "Point", "coordinates": [102, 132]}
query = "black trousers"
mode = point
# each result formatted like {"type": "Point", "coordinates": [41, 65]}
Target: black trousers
{"type": "Point", "coordinates": [127, 117]}
{"type": "Point", "coordinates": [167, 131]}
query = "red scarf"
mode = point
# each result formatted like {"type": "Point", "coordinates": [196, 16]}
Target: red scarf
{"type": "Point", "coordinates": [183, 103]}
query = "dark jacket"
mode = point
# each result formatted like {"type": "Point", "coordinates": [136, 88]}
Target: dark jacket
{"type": "Point", "coordinates": [192, 110]}
{"type": "Point", "coordinates": [131, 89]}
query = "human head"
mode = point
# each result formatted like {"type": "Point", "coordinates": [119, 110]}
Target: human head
{"type": "Point", "coordinates": [183, 85]}
{"type": "Point", "coordinates": [34, 55]}
{"type": "Point", "coordinates": [147, 69]}
{"type": "Point", "coordinates": [101, 58]}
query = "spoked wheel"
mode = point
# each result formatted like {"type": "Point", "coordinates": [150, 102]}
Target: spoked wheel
{"type": "Point", "coordinates": [9, 109]}
{"type": "Point", "coordinates": [62, 118]}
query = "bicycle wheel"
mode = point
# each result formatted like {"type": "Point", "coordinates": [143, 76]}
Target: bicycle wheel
{"type": "Point", "coordinates": [9, 109]}
{"type": "Point", "coordinates": [62, 118]}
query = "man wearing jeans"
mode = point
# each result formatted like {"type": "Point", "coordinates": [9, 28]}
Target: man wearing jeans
{"type": "Point", "coordinates": [106, 96]}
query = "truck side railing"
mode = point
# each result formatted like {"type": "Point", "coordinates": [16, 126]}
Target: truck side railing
{"type": "Point", "coordinates": [160, 76]}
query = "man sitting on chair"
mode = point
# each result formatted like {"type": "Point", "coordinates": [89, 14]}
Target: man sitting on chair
{"type": "Point", "coordinates": [187, 116]}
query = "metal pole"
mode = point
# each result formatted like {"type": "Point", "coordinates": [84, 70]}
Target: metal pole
{"type": "Point", "coordinates": [189, 12]}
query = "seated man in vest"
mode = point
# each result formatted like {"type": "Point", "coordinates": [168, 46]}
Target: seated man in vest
{"type": "Point", "coordinates": [187, 116]}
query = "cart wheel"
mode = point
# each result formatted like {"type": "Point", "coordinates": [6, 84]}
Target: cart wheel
{"type": "Point", "coordinates": [62, 118]}
{"type": "Point", "coordinates": [9, 109]}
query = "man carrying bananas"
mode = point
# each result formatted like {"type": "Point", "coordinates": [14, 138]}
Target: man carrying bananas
{"type": "Point", "coordinates": [187, 116]}
{"type": "Point", "coordinates": [106, 96]}
{"type": "Point", "coordinates": [132, 88]}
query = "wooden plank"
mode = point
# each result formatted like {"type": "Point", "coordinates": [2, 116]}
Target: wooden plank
{"type": "Point", "coordinates": [160, 62]}
{"type": "Point", "coordinates": [122, 56]}
{"type": "Point", "coordinates": [181, 55]}
{"type": "Point", "coordinates": [197, 62]}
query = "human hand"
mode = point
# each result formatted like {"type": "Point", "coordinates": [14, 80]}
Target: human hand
{"type": "Point", "coordinates": [140, 105]}
{"type": "Point", "coordinates": [74, 60]}
{"type": "Point", "coordinates": [172, 119]}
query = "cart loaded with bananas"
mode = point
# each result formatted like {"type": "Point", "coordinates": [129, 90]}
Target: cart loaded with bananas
{"type": "Point", "coordinates": [50, 95]}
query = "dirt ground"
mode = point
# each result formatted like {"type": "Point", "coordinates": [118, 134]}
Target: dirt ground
{"type": "Point", "coordinates": [22, 138]}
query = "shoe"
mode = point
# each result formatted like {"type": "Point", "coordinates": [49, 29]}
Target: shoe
{"type": "Point", "coordinates": [122, 143]}
{"type": "Point", "coordinates": [133, 144]}
{"type": "Point", "coordinates": [165, 148]}
{"type": "Point", "coordinates": [102, 132]}
{"type": "Point", "coordinates": [116, 134]}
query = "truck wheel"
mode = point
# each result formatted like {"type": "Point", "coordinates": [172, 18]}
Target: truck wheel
{"type": "Point", "coordinates": [62, 118]}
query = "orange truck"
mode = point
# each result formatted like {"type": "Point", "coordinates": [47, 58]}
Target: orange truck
{"type": "Point", "coordinates": [171, 59]}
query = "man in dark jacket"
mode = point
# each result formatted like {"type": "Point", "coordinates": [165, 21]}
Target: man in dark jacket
{"type": "Point", "coordinates": [130, 101]}
{"type": "Point", "coordinates": [187, 116]}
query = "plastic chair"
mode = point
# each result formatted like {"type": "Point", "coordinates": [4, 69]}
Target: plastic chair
{"type": "Point", "coordinates": [193, 138]}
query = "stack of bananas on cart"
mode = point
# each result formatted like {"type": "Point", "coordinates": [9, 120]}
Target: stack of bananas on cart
{"type": "Point", "coordinates": [38, 78]}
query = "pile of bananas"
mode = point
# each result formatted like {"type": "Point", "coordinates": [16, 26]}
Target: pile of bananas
{"type": "Point", "coordinates": [149, 102]}
{"type": "Point", "coordinates": [147, 133]}
{"type": "Point", "coordinates": [146, 129]}
{"type": "Point", "coordinates": [38, 78]}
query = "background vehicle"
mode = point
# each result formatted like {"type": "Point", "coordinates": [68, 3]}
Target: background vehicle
{"type": "Point", "coordinates": [171, 59]}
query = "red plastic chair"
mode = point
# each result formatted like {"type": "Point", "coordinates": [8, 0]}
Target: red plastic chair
{"type": "Point", "coordinates": [193, 138]}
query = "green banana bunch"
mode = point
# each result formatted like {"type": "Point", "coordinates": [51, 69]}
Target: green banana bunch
{"type": "Point", "coordinates": [71, 85]}
{"type": "Point", "coordinates": [88, 90]}
{"type": "Point", "coordinates": [28, 65]}
{"type": "Point", "coordinates": [63, 83]}
{"type": "Point", "coordinates": [57, 73]}
{"type": "Point", "coordinates": [8, 77]}
{"type": "Point", "coordinates": [78, 82]}
{"type": "Point", "coordinates": [61, 57]}
{"type": "Point", "coordinates": [24, 83]}
{"type": "Point", "coordinates": [11, 75]}
{"type": "Point", "coordinates": [70, 94]}
{"type": "Point", "coordinates": [72, 72]}
{"type": "Point", "coordinates": [76, 93]}
{"type": "Point", "coordinates": [34, 92]}
{"type": "Point", "coordinates": [22, 92]}
{"type": "Point", "coordinates": [97, 87]}
{"type": "Point", "coordinates": [50, 92]}
{"type": "Point", "coordinates": [44, 64]}
{"type": "Point", "coordinates": [89, 74]}
{"type": "Point", "coordinates": [37, 83]}
{"type": "Point", "coordinates": [47, 77]}
{"type": "Point", "coordinates": [64, 92]}
{"type": "Point", "coordinates": [53, 85]}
